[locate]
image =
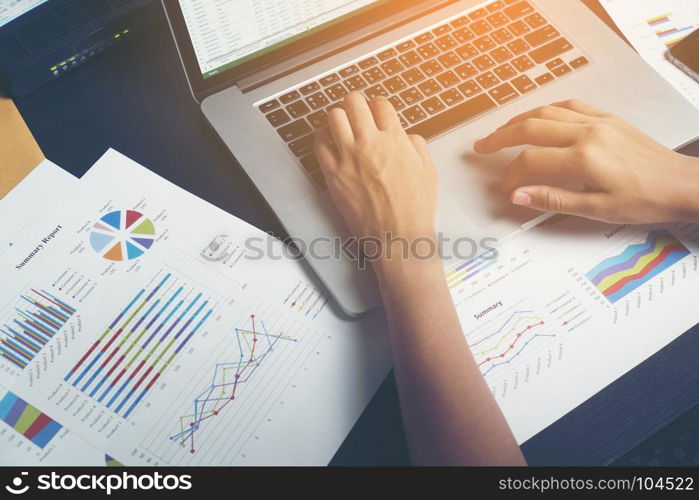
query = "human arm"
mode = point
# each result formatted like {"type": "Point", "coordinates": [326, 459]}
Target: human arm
{"type": "Point", "coordinates": [627, 176]}
{"type": "Point", "coordinates": [384, 184]}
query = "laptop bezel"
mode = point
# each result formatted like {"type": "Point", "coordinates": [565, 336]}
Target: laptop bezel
{"type": "Point", "coordinates": [202, 87]}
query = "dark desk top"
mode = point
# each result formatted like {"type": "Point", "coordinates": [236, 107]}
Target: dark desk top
{"type": "Point", "coordinates": [135, 99]}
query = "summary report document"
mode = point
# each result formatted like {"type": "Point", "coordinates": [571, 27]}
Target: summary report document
{"type": "Point", "coordinates": [141, 325]}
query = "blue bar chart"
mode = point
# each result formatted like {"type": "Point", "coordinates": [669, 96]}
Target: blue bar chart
{"type": "Point", "coordinates": [34, 320]}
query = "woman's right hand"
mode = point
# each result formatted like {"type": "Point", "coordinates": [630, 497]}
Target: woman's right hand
{"type": "Point", "coordinates": [628, 177]}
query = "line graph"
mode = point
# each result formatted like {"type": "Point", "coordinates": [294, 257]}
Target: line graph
{"type": "Point", "coordinates": [636, 264]}
{"type": "Point", "coordinates": [253, 347]}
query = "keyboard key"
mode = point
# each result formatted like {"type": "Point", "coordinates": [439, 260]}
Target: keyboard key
{"type": "Point", "coordinates": [535, 20]}
{"type": "Point", "coordinates": [542, 35]}
{"type": "Point", "coordinates": [466, 51]}
{"type": "Point", "coordinates": [505, 72]}
{"type": "Point", "coordinates": [469, 88]}
{"type": "Point", "coordinates": [453, 116]}
{"type": "Point", "coordinates": [554, 62]}
{"type": "Point", "coordinates": [268, 106]}
{"type": "Point", "coordinates": [317, 101]}
{"type": "Point", "coordinates": [376, 90]}
{"type": "Point", "coordinates": [413, 75]}
{"type": "Point", "coordinates": [402, 47]}
{"type": "Point", "coordinates": [319, 119]}
{"type": "Point", "coordinates": [386, 54]}
{"type": "Point", "coordinates": [410, 59]}
{"type": "Point", "coordinates": [484, 44]}
{"type": "Point", "coordinates": [559, 71]}
{"type": "Point", "coordinates": [424, 38]}
{"type": "Point", "coordinates": [487, 80]}
{"type": "Point", "coordinates": [310, 88]}
{"type": "Point", "coordinates": [550, 50]}
{"type": "Point", "coordinates": [495, 6]}
{"type": "Point", "coordinates": [297, 109]}
{"type": "Point", "coordinates": [374, 75]}
{"type": "Point", "coordinates": [483, 62]}
{"type": "Point", "coordinates": [445, 43]}
{"type": "Point", "coordinates": [441, 30]}
{"type": "Point", "coordinates": [503, 93]}
{"type": "Point", "coordinates": [463, 35]}
{"type": "Point", "coordinates": [519, 28]}
{"type": "Point", "coordinates": [449, 59]}
{"type": "Point", "coordinates": [355, 83]}
{"type": "Point", "coordinates": [327, 80]}
{"type": "Point", "coordinates": [430, 87]}
{"type": "Point", "coordinates": [497, 20]}
{"type": "Point", "coordinates": [477, 14]}
{"type": "Point", "coordinates": [523, 84]}
{"type": "Point", "coordinates": [579, 62]}
{"type": "Point", "coordinates": [348, 71]}
{"type": "Point", "coordinates": [451, 97]}
{"type": "Point", "coordinates": [544, 79]}
{"type": "Point", "coordinates": [431, 68]}
{"type": "Point", "coordinates": [433, 105]}
{"type": "Point", "coordinates": [522, 64]}
{"type": "Point", "coordinates": [396, 102]}
{"type": "Point", "coordinates": [303, 146]}
{"type": "Point", "coordinates": [466, 70]}
{"type": "Point", "coordinates": [518, 10]}
{"type": "Point", "coordinates": [278, 117]}
{"type": "Point", "coordinates": [319, 180]}
{"type": "Point", "coordinates": [289, 97]}
{"type": "Point", "coordinates": [294, 130]}
{"type": "Point", "coordinates": [460, 21]}
{"type": "Point", "coordinates": [403, 123]}
{"type": "Point", "coordinates": [501, 54]}
{"type": "Point", "coordinates": [368, 62]}
{"type": "Point", "coordinates": [392, 66]}
{"type": "Point", "coordinates": [501, 36]}
{"type": "Point", "coordinates": [411, 96]}
{"type": "Point", "coordinates": [336, 92]}
{"type": "Point", "coordinates": [428, 50]}
{"type": "Point", "coordinates": [394, 84]}
{"type": "Point", "coordinates": [310, 163]}
{"type": "Point", "coordinates": [480, 27]}
{"type": "Point", "coordinates": [518, 46]}
{"type": "Point", "coordinates": [448, 79]}
{"type": "Point", "coordinates": [414, 114]}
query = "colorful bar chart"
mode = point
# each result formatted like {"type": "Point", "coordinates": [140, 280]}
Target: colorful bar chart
{"type": "Point", "coordinates": [252, 347]}
{"type": "Point", "coordinates": [34, 425]}
{"type": "Point", "coordinates": [36, 319]}
{"type": "Point", "coordinates": [668, 29]}
{"type": "Point", "coordinates": [471, 268]}
{"type": "Point", "coordinates": [142, 341]}
{"type": "Point", "coordinates": [617, 276]}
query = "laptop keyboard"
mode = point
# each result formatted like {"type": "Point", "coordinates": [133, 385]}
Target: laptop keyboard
{"type": "Point", "coordinates": [436, 79]}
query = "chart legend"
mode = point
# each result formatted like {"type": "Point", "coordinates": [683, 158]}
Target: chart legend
{"type": "Point", "coordinates": [667, 29]}
{"type": "Point", "coordinates": [31, 324]}
{"type": "Point", "coordinates": [24, 418]}
{"type": "Point", "coordinates": [636, 264]}
{"type": "Point", "coordinates": [122, 235]}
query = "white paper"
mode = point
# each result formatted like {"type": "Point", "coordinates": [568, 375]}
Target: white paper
{"type": "Point", "coordinates": [186, 331]}
{"type": "Point", "coordinates": [652, 26]}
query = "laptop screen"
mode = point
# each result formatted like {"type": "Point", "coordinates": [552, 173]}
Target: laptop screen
{"type": "Point", "coordinates": [12, 9]}
{"type": "Point", "coordinates": [227, 33]}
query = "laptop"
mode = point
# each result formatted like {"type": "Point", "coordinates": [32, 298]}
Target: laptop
{"type": "Point", "coordinates": [266, 73]}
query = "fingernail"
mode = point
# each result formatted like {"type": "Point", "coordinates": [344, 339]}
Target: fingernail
{"type": "Point", "coordinates": [521, 198]}
{"type": "Point", "coordinates": [479, 143]}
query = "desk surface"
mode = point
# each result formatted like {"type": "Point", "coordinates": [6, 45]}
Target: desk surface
{"type": "Point", "coordinates": [136, 100]}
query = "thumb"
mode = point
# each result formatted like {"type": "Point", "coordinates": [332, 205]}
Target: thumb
{"type": "Point", "coordinates": [557, 200]}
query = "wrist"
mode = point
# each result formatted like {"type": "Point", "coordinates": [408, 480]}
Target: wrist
{"type": "Point", "coordinates": [403, 255]}
{"type": "Point", "coordinates": [684, 197]}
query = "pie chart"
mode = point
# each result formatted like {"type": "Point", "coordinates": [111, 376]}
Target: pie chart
{"type": "Point", "coordinates": [122, 235]}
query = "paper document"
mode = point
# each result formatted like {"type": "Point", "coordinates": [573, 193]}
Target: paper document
{"type": "Point", "coordinates": [652, 27]}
